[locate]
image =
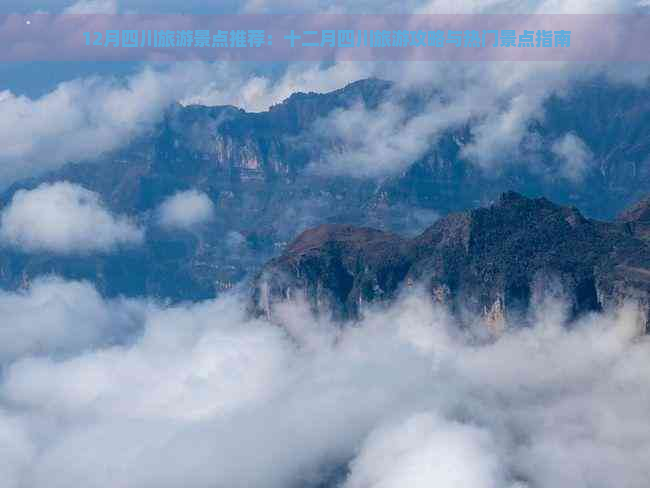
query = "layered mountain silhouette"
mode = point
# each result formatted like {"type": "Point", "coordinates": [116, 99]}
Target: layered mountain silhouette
{"type": "Point", "coordinates": [493, 262]}
{"type": "Point", "coordinates": [263, 172]}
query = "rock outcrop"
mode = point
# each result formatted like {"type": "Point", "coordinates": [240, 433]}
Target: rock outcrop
{"type": "Point", "coordinates": [492, 262]}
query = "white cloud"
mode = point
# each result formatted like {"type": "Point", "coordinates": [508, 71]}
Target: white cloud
{"type": "Point", "coordinates": [55, 317]}
{"type": "Point", "coordinates": [64, 218]}
{"type": "Point", "coordinates": [79, 119]}
{"type": "Point", "coordinates": [87, 117]}
{"type": "Point", "coordinates": [83, 118]}
{"type": "Point", "coordinates": [185, 210]}
{"type": "Point", "coordinates": [424, 451]}
{"type": "Point", "coordinates": [257, 93]}
{"type": "Point", "coordinates": [383, 141]}
{"type": "Point", "coordinates": [204, 397]}
{"type": "Point", "coordinates": [574, 155]}
{"type": "Point", "coordinates": [17, 450]}
{"type": "Point", "coordinates": [496, 100]}
{"type": "Point", "coordinates": [500, 99]}
{"type": "Point", "coordinates": [371, 142]}
{"type": "Point", "coordinates": [86, 7]}
{"type": "Point", "coordinates": [195, 368]}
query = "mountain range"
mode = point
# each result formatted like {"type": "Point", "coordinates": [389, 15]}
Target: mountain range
{"type": "Point", "coordinates": [268, 176]}
{"type": "Point", "coordinates": [492, 263]}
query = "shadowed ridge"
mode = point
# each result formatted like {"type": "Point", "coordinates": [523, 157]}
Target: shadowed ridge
{"type": "Point", "coordinates": [493, 262]}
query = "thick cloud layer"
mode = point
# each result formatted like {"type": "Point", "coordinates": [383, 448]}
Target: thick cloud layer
{"type": "Point", "coordinates": [426, 450]}
{"type": "Point", "coordinates": [53, 318]}
{"type": "Point", "coordinates": [200, 396]}
{"type": "Point", "coordinates": [64, 218]}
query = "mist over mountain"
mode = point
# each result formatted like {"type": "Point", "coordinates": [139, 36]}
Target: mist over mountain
{"type": "Point", "coordinates": [135, 393]}
{"type": "Point", "coordinates": [327, 158]}
{"type": "Point", "coordinates": [494, 263]}
{"type": "Point", "coordinates": [361, 288]}
{"type": "Point", "coordinates": [334, 273]}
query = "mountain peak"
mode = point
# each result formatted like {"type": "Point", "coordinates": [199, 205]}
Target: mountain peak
{"type": "Point", "coordinates": [350, 235]}
{"type": "Point", "coordinates": [483, 261]}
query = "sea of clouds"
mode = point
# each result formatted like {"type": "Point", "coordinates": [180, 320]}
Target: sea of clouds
{"type": "Point", "coordinates": [131, 393]}
{"type": "Point", "coordinates": [98, 392]}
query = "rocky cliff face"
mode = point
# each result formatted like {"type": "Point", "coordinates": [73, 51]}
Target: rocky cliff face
{"type": "Point", "coordinates": [492, 262]}
{"type": "Point", "coordinates": [256, 169]}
